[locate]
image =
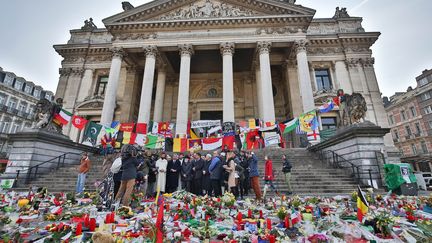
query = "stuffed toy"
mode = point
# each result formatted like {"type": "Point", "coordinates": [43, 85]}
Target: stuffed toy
{"type": "Point", "coordinates": [102, 237]}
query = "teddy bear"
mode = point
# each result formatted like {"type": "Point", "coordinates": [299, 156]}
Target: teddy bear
{"type": "Point", "coordinates": [102, 237]}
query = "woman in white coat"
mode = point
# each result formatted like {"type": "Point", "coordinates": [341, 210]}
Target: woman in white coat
{"type": "Point", "coordinates": [161, 166]}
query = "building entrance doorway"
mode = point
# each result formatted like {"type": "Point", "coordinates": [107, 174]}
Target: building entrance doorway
{"type": "Point", "coordinates": [211, 115]}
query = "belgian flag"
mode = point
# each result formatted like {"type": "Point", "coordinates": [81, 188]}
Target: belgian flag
{"type": "Point", "coordinates": [362, 205]}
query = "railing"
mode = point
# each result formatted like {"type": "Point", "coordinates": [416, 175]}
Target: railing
{"type": "Point", "coordinates": [32, 172]}
{"type": "Point", "coordinates": [360, 172]}
{"type": "Point", "coordinates": [14, 111]}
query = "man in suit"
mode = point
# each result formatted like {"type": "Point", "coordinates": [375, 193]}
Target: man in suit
{"type": "Point", "coordinates": [197, 171]}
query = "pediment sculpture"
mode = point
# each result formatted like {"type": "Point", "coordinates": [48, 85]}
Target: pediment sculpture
{"type": "Point", "coordinates": [208, 9]}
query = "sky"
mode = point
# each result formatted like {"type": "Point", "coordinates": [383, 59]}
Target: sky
{"type": "Point", "coordinates": [29, 29]}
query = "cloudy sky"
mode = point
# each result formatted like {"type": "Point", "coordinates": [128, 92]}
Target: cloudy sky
{"type": "Point", "coordinates": [30, 28]}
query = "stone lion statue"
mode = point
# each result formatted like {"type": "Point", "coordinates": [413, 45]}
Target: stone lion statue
{"type": "Point", "coordinates": [44, 115]}
{"type": "Point", "coordinates": [353, 109]}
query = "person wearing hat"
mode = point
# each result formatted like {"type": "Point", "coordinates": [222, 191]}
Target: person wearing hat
{"type": "Point", "coordinates": [161, 166]}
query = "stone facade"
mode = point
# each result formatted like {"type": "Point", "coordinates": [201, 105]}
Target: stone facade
{"type": "Point", "coordinates": [18, 99]}
{"type": "Point", "coordinates": [410, 119]}
{"type": "Point", "coordinates": [180, 59]}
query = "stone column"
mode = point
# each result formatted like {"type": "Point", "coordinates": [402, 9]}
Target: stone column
{"type": "Point", "coordinates": [227, 51]}
{"type": "Point", "coordinates": [354, 74]}
{"type": "Point", "coordinates": [342, 77]}
{"type": "Point", "coordinates": [147, 85]}
{"type": "Point", "coordinates": [186, 52]}
{"type": "Point", "coordinates": [111, 91]}
{"type": "Point", "coordinates": [296, 104]}
{"type": "Point", "coordinates": [86, 84]}
{"type": "Point", "coordinates": [259, 89]}
{"type": "Point", "coordinates": [268, 110]}
{"type": "Point", "coordinates": [160, 94]}
{"type": "Point", "coordinates": [304, 76]}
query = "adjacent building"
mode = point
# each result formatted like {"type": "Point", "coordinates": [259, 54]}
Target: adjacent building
{"type": "Point", "coordinates": [410, 118]}
{"type": "Point", "coordinates": [18, 98]}
{"type": "Point", "coordinates": [181, 60]}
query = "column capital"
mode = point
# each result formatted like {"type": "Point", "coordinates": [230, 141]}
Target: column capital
{"type": "Point", "coordinates": [352, 62]}
{"type": "Point", "coordinates": [150, 51]}
{"type": "Point", "coordinates": [227, 48]}
{"type": "Point", "coordinates": [186, 50]}
{"type": "Point", "coordinates": [301, 45]}
{"type": "Point", "coordinates": [289, 63]}
{"type": "Point", "coordinates": [367, 62]}
{"type": "Point", "coordinates": [264, 47]}
{"type": "Point", "coordinates": [64, 72]}
{"type": "Point", "coordinates": [118, 52]}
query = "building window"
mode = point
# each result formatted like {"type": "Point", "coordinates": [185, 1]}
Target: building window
{"type": "Point", "coordinates": [391, 119]}
{"type": "Point", "coordinates": [424, 147]}
{"type": "Point", "coordinates": [427, 109]}
{"type": "Point", "coordinates": [408, 130]}
{"type": "Point", "coordinates": [8, 79]}
{"type": "Point", "coordinates": [22, 107]}
{"type": "Point", "coordinates": [28, 89]}
{"type": "Point", "coordinates": [323, 80]}
{"type": "Point", "coordinates": [15, 128]}
{"type": "Point", "coordinates": [418, 129]}
{"type": "Point", "coordinates": [36, 93]}
{"type": "Point", "coordinates": [425, 96]}
{"type": "Point", "coordinates": [396, 134]}
{"type": "Point", "coordinates": [423, 81]}
{"type": "Point", "coordinates": [413, 111]}
{"type": "Point", "coordinates": [12, 103]}
{"type": "Point", "coordinates": [414, 149]}
{"type": "Point", "coordinates": [18, 85]}
{"type": "Point", "coordinates": [403, 115]}
{"type": "Point", "coordinates": [328, 123]}
{"type": "Point", "coordinates": [5, 126]}
{"type": "Point", "coordinates": [101, 85]}
{"type": "Point", "coordinates": [430, 124]}
{"type": "Point", "coordinates": [3, 99]}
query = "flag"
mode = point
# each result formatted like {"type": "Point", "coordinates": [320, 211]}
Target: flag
{"type": "Point", "coordinates": [194, 145]}
{"type": "Point", "coordinates": [295, 217]}
{"type": "Point", "coordinates": [62, 118]}
{"type": "Point", "coordinates": [362, 205]}
{"type": "Point", "coordinates": [327, 107]}
{"type": "Point", "coordinates": [129, 138]}
{"type": "Point", "coordinates": [299, 131]}
{"type": "Point", "coordinates": [210, 144]}
{"type": "Point", "coordinates": [141, 128]}
{"type": "Point", "coordinates": [140, 139]}
{"type": "Point", "coordinates": [79, 122]}
{"type": "Point", "coordinates": [243, 140]}
{"type": "Point", "coordinates": [180, 145]}
{"type": "Point", "coordinates": [313, 135]}
{"type": "Point", "coordinates": [119, 139]}
{"type": "Point", "coordinates": [336, 101]}
{"type": "Point", "coordinates": [214, 130]}
{"type": "Point", "coordinates": [127, 127]}
{"type": "Point", "coordinates": [160, 220]}
{"type": "Point", "coordinates": [308, 121]}
{"type": "Point", "coordinates": [229, 142]}
{"type": "Point", "coordinates": [155, 128]}
{"type": "Point", "coordinates": [110, 130]}
{"type": "Point", "coordinates": [92, 130]}
{"type": "Point", "coordinates": [289, 126]}
{"type": "Point", "coordinates": [252, 124]}
{"type": "Point", "coordinates": [269, 124]}
{"type": "Point", "coordinates": [115, 125]}
{"type": "Point", "coordinates": [154, 142]}
{"type": "Point", "coordinates": [251, 140]}
{"type": "Point", "coordinates": [193, 134]}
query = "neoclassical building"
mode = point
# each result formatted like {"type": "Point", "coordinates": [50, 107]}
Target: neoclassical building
{"type": "Point", "coordinates": [180, 60]}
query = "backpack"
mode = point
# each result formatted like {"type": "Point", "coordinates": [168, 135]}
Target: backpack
{"type": "Point", "coordinates": [116, 165]}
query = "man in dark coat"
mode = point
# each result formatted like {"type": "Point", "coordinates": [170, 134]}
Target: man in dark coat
{"type": "Point", "coordinates": [197, 170]}
{"type": "Point", "coordinates": [151, 163]}
{"type": "Point", "coordinates": [215, 170]}
{"type": "Point", "coordinates": [246, 180]}
{"type": "Point", "coordinates": [186, 174]}
{"type": "Point", "coordinates": [206, 175]}
{"type": "Point", "coordinates": [173, 172]}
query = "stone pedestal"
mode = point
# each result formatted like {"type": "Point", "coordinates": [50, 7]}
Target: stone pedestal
{"type": "Point", "coordinates": [362, 145]}
{"type": "Point", "coordinates": [32, 147]}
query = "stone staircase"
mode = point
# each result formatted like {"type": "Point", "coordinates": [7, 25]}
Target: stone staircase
{"type": "Point", "coordinates": [64, 179]}
{"type": "Point", "coordinates": [309, 176]}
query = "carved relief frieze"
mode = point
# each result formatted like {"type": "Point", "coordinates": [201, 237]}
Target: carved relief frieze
{"type": "Point", "coordinates": [134, 36]}
{"type": "Point", "coordinates": [280, 30]}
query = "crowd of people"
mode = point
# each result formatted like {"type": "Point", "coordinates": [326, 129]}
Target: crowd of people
{"type": "Point", "coordinates": [202, 174]}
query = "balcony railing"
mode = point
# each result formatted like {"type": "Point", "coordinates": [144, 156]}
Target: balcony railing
{"type": "Point", "coordinates": [16, 112]}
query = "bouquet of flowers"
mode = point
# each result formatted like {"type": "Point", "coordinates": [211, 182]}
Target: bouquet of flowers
{"type": "Point", "coordinates": [228, 199]}
{"type": "Point", "coordinates": [282, 213]}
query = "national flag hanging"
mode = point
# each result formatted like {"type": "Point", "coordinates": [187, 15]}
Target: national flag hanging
{"type": "Point", "coordinates": [295, 217]}
{"type": "Point", "coordinates": [140, 139]}
{"type": "Point", "coordinates": [308, 121]}
{"type": "Point", "coordinates": [243, 140]}
{"type": "Point", "coordinates": [154, 142]}
{"type": "Point", "coordinates": [79, 122]}
{"type": "Point", "coordinates": [119, 139]}
{"type": "Point", "coordinates": [336, 101]}
{"type": "Point", "coordinates": [229, 142]}
{"type": "Point", "coordinates": [252, 124]}
{"type": "Point", "coordinates": [210, 144]}
{"type": "Point", "coordinates": [180, 145]}
{"type": "Point", "coordinates": [92, 130]}
{"type": "Point", "coordinates": [62, 118]}
{"type": "Point", "coordinates": [141, 128]}
{"type": "Point", "coordinates": [289, 126]}
{"type": "Point", "coordinates": [129, 138]}
{"type": "Point", "coordinates": [110, 130]}
{"type": "Point", "coordinates": [269, 124]}
{"type": "Point", "coordinates": [362, 205]}
{"type": "Point", "coordinates": [160, 220]}
{"type": "Point", "coordinates": [251, 140]}
{"type": "Point", "coordinates": [193, 134]}
{"type": "Point", "coordinates": [155, 128]}
{"type": "Point", "coordinates": [194, 145]}
{"type": "Point", "coordinates": [327, 107]}
{"type": "Point", "coordinates": [314, 135]}
{"type": "Point", "coordinates": [163, 128]}
{"type": "Point", "coordinates": [127, 127]}
{"type": "Point", "coordinates": [115, 125]}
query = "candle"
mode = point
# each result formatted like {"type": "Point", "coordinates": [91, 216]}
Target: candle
{"type": "Point", "coordinates": [92, 226]}
{"type": "Point", "coordinates": [269, 224]}
{"type": "Point", "coordinates": [272, 238]}
{"type": "Point", "coordinates": [240, 217]}
{"type": "Point", "coordinates": [167, 206]}
{"type": "Point", "coordinates": [249, 213]}
{"type": "Point", "coordinates": [78, 229]}
{"type": "Point", "coordinates": [86, 221]}
{"type": "Point", "coordinates": [287, 222]}
{"type": "Point", "coordinates": [207, 217]}
{"type": "Point", "coordinates": [108, 218]}
{"type": "Point", "coordinates": [260, 214]}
